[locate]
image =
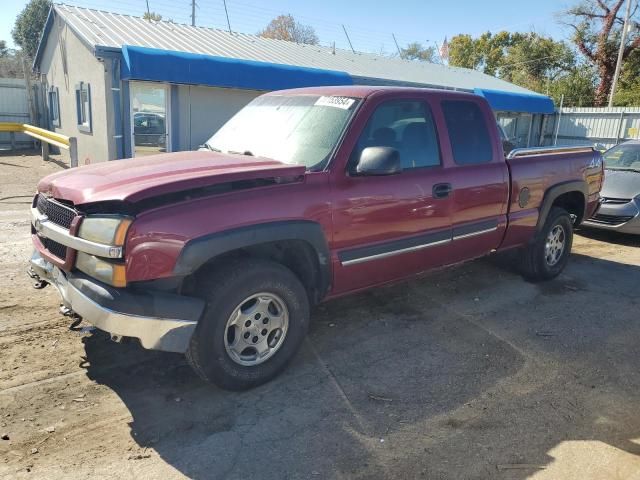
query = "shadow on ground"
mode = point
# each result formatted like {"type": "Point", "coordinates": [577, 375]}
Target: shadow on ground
{"type": "Point", "coordinates": [459, 375]}
{"type": "Point", "coordinates": [610, 237]}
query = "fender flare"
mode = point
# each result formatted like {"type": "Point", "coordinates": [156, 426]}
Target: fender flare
{"type": "Point", "coordinates": [200, 250]}
{"type": "Point", "coordinates": [554, 192]}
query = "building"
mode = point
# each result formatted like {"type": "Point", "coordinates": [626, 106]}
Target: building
{"type": "Point", "coordinates": [127, 87]}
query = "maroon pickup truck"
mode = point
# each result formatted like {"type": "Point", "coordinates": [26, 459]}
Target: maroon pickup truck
{"type": "Point", "coordinates": [304, 195]}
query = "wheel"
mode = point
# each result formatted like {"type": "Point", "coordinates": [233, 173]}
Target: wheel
{"type": "Point", "coordinates": [256, 317]}
{"type": "Point", "coordinates": [549, 253]}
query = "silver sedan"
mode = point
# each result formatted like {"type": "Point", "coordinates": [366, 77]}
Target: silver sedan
{"type": "Point", "coordinates": [620, 208]}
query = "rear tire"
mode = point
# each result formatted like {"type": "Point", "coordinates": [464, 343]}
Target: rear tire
{"type": "Point", "coordinates": [257, 315]}
{"type": "Point", "coordinates": [548, 254]}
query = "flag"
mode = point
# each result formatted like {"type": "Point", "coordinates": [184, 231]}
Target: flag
{"type": "Point", "coordinates": [444, 50]}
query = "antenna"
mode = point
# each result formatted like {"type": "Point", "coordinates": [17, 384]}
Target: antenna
{"type": "Point", "coordinates": [227, 14]}
{"type": "Point", "coordinates": [348, 39]}
{"type": "Point", "coordinates": [396, 42]}
{"type": "Point", "coordinates": [148, 11]}
{"type": "Point", "coordinates": [193, 13]}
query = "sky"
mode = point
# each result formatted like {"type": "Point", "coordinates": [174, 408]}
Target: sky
{"type": "Point", "coordinates": [370, 24]}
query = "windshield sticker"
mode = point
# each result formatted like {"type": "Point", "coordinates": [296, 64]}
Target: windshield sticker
{"type": "Point", "coordinates": [337, 102]}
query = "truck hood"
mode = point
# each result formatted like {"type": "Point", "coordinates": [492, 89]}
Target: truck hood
{"type": "Point", "coordinates": [137, 179]}
{"type": "Point", "coordinates": [621, 184]}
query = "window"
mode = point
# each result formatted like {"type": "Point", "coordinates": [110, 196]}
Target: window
{"type": "Point", "coordinates": [83, 106]}
{"type": "Point", "coordinates": [405, 125]}
{"type": "Point", "coordinates": [54, 106]}
{"type": "Point", "coordinates": [294, 129]}
{"type": "Point", "coordinates": [468, 132]}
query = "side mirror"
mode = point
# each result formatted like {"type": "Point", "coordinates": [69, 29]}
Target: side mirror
{"type": "Point", "coordinates": [379, 161]}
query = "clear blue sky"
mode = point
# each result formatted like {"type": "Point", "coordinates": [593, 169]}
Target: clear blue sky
{"type": "Point", "coordinates": [369, 23]}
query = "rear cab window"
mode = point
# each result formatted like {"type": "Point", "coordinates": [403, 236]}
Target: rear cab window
{"type": "Point", "coordinates": [468, 132]}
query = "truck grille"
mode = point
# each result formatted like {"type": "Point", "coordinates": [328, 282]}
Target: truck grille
{"type": "Point", "coordinates": [56, 249]}
{"type": "Point", "coordinates": [614, 201]}
{"type": "Point", "coordinates": [610, 219]}
{"type": "Point", "coordinates": [57, 212]}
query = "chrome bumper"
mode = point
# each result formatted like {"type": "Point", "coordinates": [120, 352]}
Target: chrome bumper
{"type": "Point", "coordinates": [154, 332]}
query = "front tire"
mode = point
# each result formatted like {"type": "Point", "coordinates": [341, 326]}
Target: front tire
{"type": "Point", "coordinates": [257, 315]}
{"type": "Point", "coordinates": [549, 253]}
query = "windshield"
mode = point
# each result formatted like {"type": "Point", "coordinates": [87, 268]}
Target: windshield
{"type": "Point", "coordinates": [294, 129]}
{"type": "Point", "coordinates": [623, 157]}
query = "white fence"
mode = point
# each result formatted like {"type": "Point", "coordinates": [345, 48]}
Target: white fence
{"type": "Point", "coordinates": [603, 126]}
{"type": "Point", "coordinates": [14, 107]}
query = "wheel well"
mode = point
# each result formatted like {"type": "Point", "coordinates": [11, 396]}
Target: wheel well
{"type": "Point", "coordinates": [297, 255]}
{"type": "Point", "coordinates": [572, 202]}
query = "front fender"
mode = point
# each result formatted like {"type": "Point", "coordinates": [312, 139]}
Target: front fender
{"type": "Point", "coordinates": [199, 251]}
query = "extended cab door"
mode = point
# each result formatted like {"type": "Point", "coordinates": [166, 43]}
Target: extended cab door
{"type": "Point", "coordinates": [392, 226]}
{"type": "Point", "coordinates": [479, 177]}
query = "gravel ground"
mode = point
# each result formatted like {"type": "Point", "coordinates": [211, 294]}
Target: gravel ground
{"type": "Point", "coordinates": [468, 373]}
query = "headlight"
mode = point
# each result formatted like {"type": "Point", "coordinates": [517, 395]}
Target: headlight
{"type": "Point", "coordinates": [108, 229]}
{"type": "Point", "coordinates": [106, 271]}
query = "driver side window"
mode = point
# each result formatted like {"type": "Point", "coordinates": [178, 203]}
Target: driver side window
{"type": "Point", "coordinates": [408, 127]}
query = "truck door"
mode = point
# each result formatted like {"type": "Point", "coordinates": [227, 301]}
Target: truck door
{"type": "Point", "coordinates": [479, 179]}
{"type": "Point", "coordinates": [388, 227]}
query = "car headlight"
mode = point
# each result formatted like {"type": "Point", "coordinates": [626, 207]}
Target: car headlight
{"type": "Point", "coordinates": [112, 273]}
{"type": "Point", "coordinates": [107, 229]}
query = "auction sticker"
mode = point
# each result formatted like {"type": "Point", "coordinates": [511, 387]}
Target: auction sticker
{"type": "Point", "coordinates": [337, 102]}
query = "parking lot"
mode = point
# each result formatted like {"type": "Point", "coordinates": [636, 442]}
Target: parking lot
{"type": "Point", "coordinates": [467, 373]}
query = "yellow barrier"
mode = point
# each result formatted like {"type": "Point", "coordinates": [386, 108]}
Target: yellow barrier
{"type": "Point", "coordinates": [46, 137]}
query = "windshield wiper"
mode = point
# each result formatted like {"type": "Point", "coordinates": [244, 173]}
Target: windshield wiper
{"type": "Point", "coordinates": [246, 152]}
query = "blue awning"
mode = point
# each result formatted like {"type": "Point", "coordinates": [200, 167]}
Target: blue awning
{"type": "Point", "coordinates": [141, 63]}
{"type": "Point", "coordinates": [516, 102]}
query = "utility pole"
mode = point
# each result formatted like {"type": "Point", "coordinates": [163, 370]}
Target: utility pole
{"type": "Point", "coordinates": [396, 42]}
{"type": "Point", "coordinates": [623, 41]}
{"type": "Point", "coordinates": [193, 13]}
{"type": "Point", "coordinates": [348, 39]}
{"type": "Point", "coordinates": [148, 11]}
{"type": "Point", "coordinates": [227, 14]}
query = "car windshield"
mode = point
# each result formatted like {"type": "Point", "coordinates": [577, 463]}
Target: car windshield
{"type": "Point", "coordinates": [623, 157]}
{"type": "Point", "coordinates": [294, 129]}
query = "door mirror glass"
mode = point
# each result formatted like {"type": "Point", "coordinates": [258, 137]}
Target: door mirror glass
{"type": "Point", "coordinates": [379, 161]}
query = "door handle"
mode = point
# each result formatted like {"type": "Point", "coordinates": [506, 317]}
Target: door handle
{"type": "Point", "coordinates": [442, 190]}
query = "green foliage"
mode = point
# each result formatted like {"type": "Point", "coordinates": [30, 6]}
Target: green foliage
{"type": "Point", "coordinates": [152, 16]}
{"type": "Point", "coordinates": [416, 51]}
{"type": "Point", "coordinates": [528, 59]}
{"type": "Point", "coordinates": [576, 85]}
{"type": "Point", "coordinates": [4, 50]}
{"type": "Point", "coordinates": [29, 25]}
{"type": "Point", "coordinates": [628, 91]}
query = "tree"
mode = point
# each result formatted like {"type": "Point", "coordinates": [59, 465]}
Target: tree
{"type": "Point", "coordinates": [628, 90]}
{"type": "Point", "coordinates": [526, 59]}
{"type": "Point", "coordinates": [534, 61]}
{"type": "Point", "coordinates": [4, 50]}
{"type": "Point", "coordinates": [597, 27]}
{"type": "Point", "coordinates": [416, 51]}
{"type": "Point", "coordinates": [152, 16]}
{"type": "Point", "coordinates": [485, 53]}
{"type": "Point", "coordinates": [576, 86]}
{"type": "Point", "coordinates": [284, 27]}
{"type": "Point", "coordinates": [29, 25]}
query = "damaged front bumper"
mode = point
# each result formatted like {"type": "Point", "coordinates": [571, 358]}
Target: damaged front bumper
{"type": "Point", "coordinates": [159, 320]}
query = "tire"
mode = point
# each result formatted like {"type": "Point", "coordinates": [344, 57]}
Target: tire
{"type": "Point", "coordinates": [221, 354]}
{"type": "Point", "coordinates": [541, 262]}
